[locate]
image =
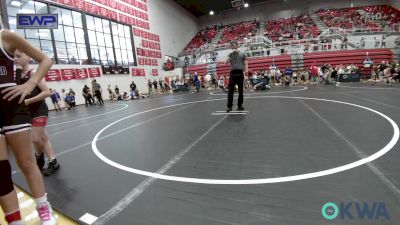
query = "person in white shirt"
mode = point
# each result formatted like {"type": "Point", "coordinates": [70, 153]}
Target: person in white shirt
{"type": "Point", "coordinates": [208, 80]}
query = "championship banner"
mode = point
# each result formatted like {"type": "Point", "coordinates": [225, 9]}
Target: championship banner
{"type": "Point", "coordinates": [112, 15]}
{"type": "Point", "coordinates": [142, 72]}
{"type": "Point", "coordinates": [81, 74]}
{"type": "Point", "coordinates": [112, 4]}
{"type": "Point", "coordinates": [135, 72]}
{"type": "Point", "coordinates": [123, 19]}
{"type": "Point", "coordinates": [53, 75]}
{"type": "Point", "coordinates": [103, 2]}
{"type": "Point", "coordinates": [122, 7]}
{"type": "Point", "coordinates": [68, 74]}
{"type": "Point", "coordinates": [147, 62]}
{"type": "Point", "coordinates": [131, 11]}
{"type": "Point", "coordinates": [139, 52]}
{"type": "Point", "coordinates": [136, 31]}
{"type": "Point", "coordinates": [92, 8]}
{"type": "Point", "coordinates": [141, 61]}
{"type": "Point", "coordinates": [94, 72]}
{"type": "Point", "coordinates": [132, 22]}
{"type": "Point", "coordinates": [103, 12]}
{"type": "Point", "coordinates": [70, 3]}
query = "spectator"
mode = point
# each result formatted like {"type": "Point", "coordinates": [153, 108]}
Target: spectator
{"type": "Point", "coordinates": [87, 95]}
{"type": "Point", "coordinates": [186, 61]}
{"type": "Point", "coordinates": [307, 47]}
{"type": "Point", "coordinates": [221, 83]}
{"type": "Point", "coordinates": [155, 85]}
{"type": "Point", "coordinates": [345, 42]}
{"type": "Point", "coordinates": [97, 91]}
{"type": "Point", "coordinates": [196, 83]}
{"type": "Point", "coordinates": [376, 42]}
{"type": "Point", "coordinates": [314, 73]}
{"type": "Point", "coordinates": [150, 86]}
{"type": "Point", "coordinates": [161, 83]}
{"type": "Point", "coordinates": [56, 99]}
{"type": "Point", "coordinates": [116, 90]}
{"type": "Point", "coordinates": [208, 80]}
{"type": "Point", "coordinates": [397, 42]}
{"type": "Point", "coordinates": [71, 92]}
{"type": "Point", "coordinates": [70, 100]}
{"type": "Point", "coordinates": [214, 82]}
{"type": "Point", "coordinates": [132, 86]}
{"type": "Point", "coordinates": [125, 97]}
{"type": "Point", "coordinates": [62, 97]}
{"type": "Point", "coordinates": [383, 43]}
{"type": "Point", "coordinates": [167, 84]}
{"type": "Point", "coordinates": [362, 42]}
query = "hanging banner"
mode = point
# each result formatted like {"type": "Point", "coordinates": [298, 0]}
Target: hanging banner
{"type": "Point", "coordinates": [81, 74]}
{"type": "Point", "coordinates": [94, 72]}
{"type": "Point", "coordinates": [53, 75]}
{"type": "Point", "coordinates": [68, 74]}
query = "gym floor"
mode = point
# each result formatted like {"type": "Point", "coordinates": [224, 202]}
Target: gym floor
{"type": "Point", "coordinates": [294, 150]}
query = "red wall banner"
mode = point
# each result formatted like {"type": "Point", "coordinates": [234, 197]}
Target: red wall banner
{"type": "Point", "coordinates": [81, 74]}
{"type": "Point", "coordinates": [135, 72]}
{"type": "Point", "coordinates": [94, 72]}
{"type": "Point", "coordinates": [53, 75]}
{"type": "Point", "coordinates": [142, 72]}
{"type": "Point", "coordinates": [154, 72]}
{"type": "Point", "coordinates": [68, 74]}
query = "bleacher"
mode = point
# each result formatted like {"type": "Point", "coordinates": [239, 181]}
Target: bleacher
{"type": "Point", "coordinates": [355, 57]}
{"type": "Point", "coordinates": [201, 38]}
{"type": "Point", "coordinates": [360, 17]}
{"type": "Point", "coordinates": [292, 28]}
{"type": "Point", "coordinates": [342, 57]}
{"type": "Point", "coordinates": [238, 31]}
{"type": "Point", "coordinates": [256, 64]}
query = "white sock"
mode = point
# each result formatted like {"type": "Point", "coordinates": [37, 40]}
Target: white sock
{"type": "Point", "coordinates": [41, 200]}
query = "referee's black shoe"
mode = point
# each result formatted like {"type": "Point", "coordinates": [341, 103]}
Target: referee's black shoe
{"type": "Point", "coordinates": [240, 108]}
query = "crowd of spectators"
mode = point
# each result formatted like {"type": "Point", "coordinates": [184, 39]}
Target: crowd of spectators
{"type": "Point", "coordinates": [201, 38]}
{"type": "Point", "coordinates": [374, 18]}
{"type": "Point", "coordinates": [292, 28]}
{"type": "Point", "coordinates": [239, 31]}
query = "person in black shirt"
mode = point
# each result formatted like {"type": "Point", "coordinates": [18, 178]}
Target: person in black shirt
{"type": "Point", "coordinates": [133, 86]}
{"type": "Point", "coordinates": [87, 95]}
{"type": "Point", "coordinates": [155, 84]}
{"type": "Point", "coordinates": [150, 85]}
{"type": "Point", "coordinates": [116, 90]}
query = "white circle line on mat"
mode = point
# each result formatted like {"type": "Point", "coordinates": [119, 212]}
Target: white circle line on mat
{"type": "Point", "coordinates": [298, 177]}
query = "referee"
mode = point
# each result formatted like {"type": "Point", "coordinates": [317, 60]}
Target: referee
{"type": "Point", "coordinates": [239, 66]}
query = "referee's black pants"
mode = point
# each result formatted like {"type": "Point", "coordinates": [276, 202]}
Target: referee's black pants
{"type": "Point", "coordinates": [236, 78]}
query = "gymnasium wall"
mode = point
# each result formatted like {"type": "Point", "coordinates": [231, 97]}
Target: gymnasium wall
{"type": "Point", "coordinates": [281, 9]}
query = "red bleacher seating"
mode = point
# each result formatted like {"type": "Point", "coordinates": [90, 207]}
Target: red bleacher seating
{"type": "Point", "coordinates": [238, 31]}
{"type": "Point", "coordinates": [201, 38]}
{"type": "Point", "coordinates": [201, 69]}
{"type": "Point", "coordinates": [257, 64]}
{"type": "Point", "coordinates": [288, 28]}
{"type": "Point", "coordinates": [355, 57]}
{"type": "Point", "coordinates": [360, 17]}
